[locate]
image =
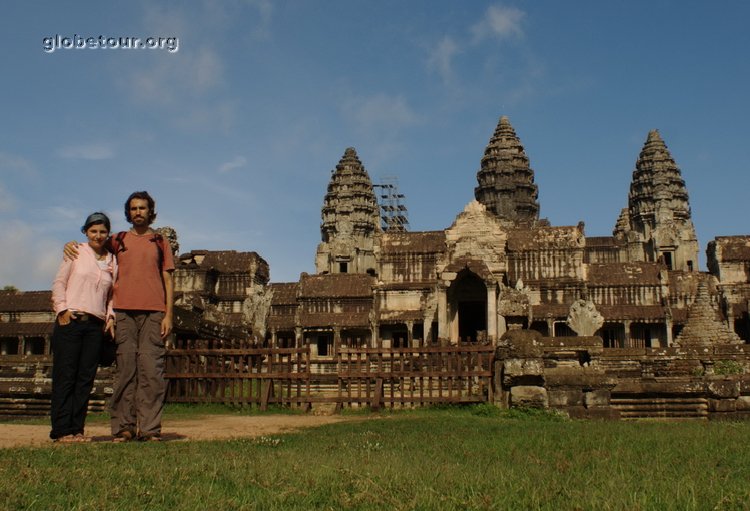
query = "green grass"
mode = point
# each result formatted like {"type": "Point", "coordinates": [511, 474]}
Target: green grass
{"type": "Point", "coordinates": [473, 458]}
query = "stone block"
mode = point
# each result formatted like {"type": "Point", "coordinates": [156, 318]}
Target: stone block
{"type": "Point", "coordinates": [576, 377]}
{"type": "Point", "coordinates": [678, 386]}
{"type": "Point", "coordinates": [529, 396]}
{"type": "Point", "coordinates": [743, 404]}
{"type": "Point", "coordinates": [517, 371]}
{"type": "Point", "coordinates": [565, 398]}
{"type": "Point", "coordinates": [722, 405]}
{"type": "Point", "coordinates": [724, 388]}
{"type": "Point", "coordinates": [596, 398]}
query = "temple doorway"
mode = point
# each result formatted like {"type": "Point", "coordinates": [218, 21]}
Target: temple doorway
{"type": "Point", "coordinates": [468, 301]}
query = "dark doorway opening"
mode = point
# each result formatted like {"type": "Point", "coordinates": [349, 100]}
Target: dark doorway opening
{"type": "Point", "coordinates": [468, 297]}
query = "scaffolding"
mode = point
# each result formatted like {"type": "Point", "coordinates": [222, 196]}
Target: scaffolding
{"type": "Point", "coordinates": [393, 214]}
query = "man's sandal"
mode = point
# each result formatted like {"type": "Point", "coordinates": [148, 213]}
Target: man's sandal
{"type": "Point", "coordinates": [123, 436]}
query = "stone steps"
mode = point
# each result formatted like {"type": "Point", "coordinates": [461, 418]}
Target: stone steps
{"type": "Point", "coordinates": [663, 407]}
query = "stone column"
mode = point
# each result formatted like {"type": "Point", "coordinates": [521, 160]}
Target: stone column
{"type": "Point", "coordinates": [443, 324]}
{"type": "Point", "coordinates": [492, 331]}
{"type": "Point", "coordinates": [336, 339]}
{"type": "Point", "coordinates": [299, 338]}
{"type": "Point", "coordinates": [626, 340]}
{"type": "Point", "coordinates": [274, 340]}
{"type": "Point", "coordinates": [409, 333]}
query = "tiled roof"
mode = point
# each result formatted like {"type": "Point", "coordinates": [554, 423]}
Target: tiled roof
{"type": "Point", "coordinates": [403, 286]}
{"type": "Point", "coordinates": [25, 329]}
{"type": "Point", "coordinates": [601, 241]}
{"type": "Point", "coordinates": [609, 312]}
{"type": "Point", "coordinates": [282, 322]}
{"type": "Point", "coordinates": [339, 285]}
{"type": "Point", "coordinates": [284, 293]}
{"type": "Point", "coordinates": [25, 301]}
{"type": "Point", "coordinates": [419, 242]}
{"type": "Point", "coordinates": [624, 274]}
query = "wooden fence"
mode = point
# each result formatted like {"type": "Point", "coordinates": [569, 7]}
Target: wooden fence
{"type": "Point", "coordinates": [372, 377]}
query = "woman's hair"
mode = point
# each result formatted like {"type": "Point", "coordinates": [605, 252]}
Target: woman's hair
{"type": "Point", "coordinates": [151, 206]}
{"type": "Point", "coordinates": [96, 219]}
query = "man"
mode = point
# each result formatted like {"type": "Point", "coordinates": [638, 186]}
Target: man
{"type": "Point", "coordinates": [143, 306]}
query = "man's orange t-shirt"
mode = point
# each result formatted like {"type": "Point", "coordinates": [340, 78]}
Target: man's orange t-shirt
{"type": "Point", "coordinates": [139, 284]}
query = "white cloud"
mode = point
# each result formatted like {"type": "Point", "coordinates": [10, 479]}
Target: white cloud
{"type": "Point", "coordinates": [441, 57]}
{"type": "Point", "coordinates": [12, 162]}
{"type": "Point", "coordinates": [263, 24]}
{"type": "Point", "coordinates": [30, 260]}
{"type": "Point", "coordinates": [87, 152]}
{"type": "Point", "coordinates": [236, 163]}
{"type": "Point", "coordinates": [7, 201]}
{"type": "Point", "coordinates": [379, 120]}
{"type": "Point", "coordinates": [176, 78]}
{"type": "Point", "coordinates": [213, 117]}
{"type": "Point", "coordinates": [165, 21]}
{"type": "Point", "coordinates": [254, 15]}
{"type": "Point", "coordinates": [379, 112]}
{"type": "Point", "coordinates": [499, 22]}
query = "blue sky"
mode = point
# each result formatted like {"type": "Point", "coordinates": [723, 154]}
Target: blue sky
{"type": "Point", "coordinates": [236, 133]}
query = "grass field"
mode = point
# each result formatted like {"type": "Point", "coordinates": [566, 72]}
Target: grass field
{"type": "Point", "coordinates": [474, 458]}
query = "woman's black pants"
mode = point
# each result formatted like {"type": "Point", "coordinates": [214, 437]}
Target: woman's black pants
{"type": "Point", "coordinates": [75, 355]}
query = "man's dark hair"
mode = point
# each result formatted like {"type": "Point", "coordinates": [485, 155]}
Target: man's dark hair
{"type": "Point", "coordinates": [151, 206]}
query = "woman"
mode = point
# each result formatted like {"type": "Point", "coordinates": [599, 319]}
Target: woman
{"type": "Point", "coordinates": [82, 300]}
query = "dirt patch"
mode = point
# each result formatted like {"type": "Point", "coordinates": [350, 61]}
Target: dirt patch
{"type": "Point", "coordinates": [210, 427]}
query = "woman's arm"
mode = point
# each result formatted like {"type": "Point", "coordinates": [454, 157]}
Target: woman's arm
{"type": "Point", "coordinates": [59, 287]}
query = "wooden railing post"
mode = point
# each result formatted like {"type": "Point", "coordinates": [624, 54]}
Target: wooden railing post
{"type": "Point", "coordinates": [377, 395]}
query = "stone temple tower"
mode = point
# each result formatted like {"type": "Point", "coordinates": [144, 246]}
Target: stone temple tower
{"type": "Point", "coordinates": [506, 181]}
{"type": "Point", "coordinates": [658, 214]}
{"type": "Point", "coordinates": [351, 220]}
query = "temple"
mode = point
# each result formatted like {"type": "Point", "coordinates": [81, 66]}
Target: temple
{"type": "Point", "coordinates": [500, 267]}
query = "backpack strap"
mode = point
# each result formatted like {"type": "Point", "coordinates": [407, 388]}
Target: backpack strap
{"type": "Point", "coordinates": [118, 242]}
{"type": "Point", "coordinates": [159, 240]}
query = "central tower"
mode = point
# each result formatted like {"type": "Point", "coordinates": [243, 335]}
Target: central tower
{"type": "Point", "coordinates": [506, 181]}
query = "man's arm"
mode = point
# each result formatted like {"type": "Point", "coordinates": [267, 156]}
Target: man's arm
{"type": "Point", "coordinates": [70, 251]}
{"type": "Point", "coordinates": [166, 324]}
